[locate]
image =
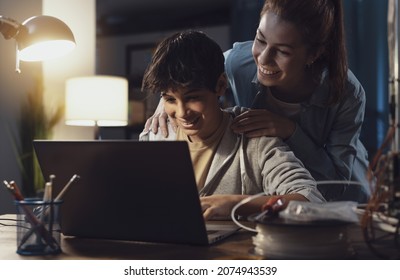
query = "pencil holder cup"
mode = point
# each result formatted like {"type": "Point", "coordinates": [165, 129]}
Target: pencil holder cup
{"type": "Point", "coordinates": [38, 227]}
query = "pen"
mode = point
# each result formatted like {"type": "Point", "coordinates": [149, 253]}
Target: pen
{"type": "Point", "coordinates": [60, 195]}
{"type": "Point", "coordinates": [50, 200]}
{"type": "Point", "coordinates": [13, 188]}
{"type": "Point", "coordinates": [40, 213]}
{"type": "Point", "coordinates": [66, 187]}
{"type": "Point", "coordinates": [50, 194]}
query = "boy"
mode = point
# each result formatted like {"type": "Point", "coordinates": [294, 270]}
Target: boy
{"type": "Point", "coordinates": [188, 69]}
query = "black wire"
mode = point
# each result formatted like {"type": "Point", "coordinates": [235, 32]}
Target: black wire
{"type": "Point", "coordinates": [12, 225]}
{"type": "Point", "coordinates": [8, 219]}
{"type": "Point", "coordinates": [372, 239]}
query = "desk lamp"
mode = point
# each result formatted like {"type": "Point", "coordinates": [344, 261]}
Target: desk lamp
{"type": "Point", "coordinates": [96, 101]}
{"type": "Point", "coordinates": [38, 38]}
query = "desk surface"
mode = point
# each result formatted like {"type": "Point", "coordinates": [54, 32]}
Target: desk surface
{"type": "Point", "coordinates": [238, 246]}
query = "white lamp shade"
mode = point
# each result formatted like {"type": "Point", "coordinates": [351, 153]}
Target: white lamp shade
{"type": "Point", "coordinates": [101, 100]}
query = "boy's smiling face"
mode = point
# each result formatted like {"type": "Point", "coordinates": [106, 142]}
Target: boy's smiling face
{"type": "Point", "coordinates": [196, 111]}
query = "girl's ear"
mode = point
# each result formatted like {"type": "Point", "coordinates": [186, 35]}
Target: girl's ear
{"type": "Point", "coordinates": [314, 56]}
{"type": "Point", "coordinates": [222, 84]}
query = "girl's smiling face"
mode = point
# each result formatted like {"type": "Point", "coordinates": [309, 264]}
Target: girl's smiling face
{"type": "Point", "coordinates": [280, 54]}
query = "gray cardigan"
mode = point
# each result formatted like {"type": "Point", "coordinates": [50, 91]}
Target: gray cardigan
{"type": "Point", "coordinates": [244, 165]}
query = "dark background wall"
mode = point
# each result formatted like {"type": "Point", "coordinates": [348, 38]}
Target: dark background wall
{"type": "Point", "coordinates": [366, 30]}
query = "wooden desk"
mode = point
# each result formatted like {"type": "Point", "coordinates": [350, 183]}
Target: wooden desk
{"type": "Point", "coordinates": [238, 246]}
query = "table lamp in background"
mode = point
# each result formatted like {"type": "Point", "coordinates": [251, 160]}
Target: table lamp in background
{"type": "Point", "coordinates": [38, 38]}
{"type": "Point", "coordinates": [96, 101]}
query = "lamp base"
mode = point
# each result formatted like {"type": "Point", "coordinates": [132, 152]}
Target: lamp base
{"type": "Point", "coordinates": [97, 134]}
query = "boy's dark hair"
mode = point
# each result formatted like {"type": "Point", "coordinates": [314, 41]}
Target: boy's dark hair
{"type": "Point", "coordinates": [187, 59]}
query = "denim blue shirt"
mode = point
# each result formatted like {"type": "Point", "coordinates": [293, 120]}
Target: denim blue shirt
{"type": "Point", "coordinates": [326, 138]}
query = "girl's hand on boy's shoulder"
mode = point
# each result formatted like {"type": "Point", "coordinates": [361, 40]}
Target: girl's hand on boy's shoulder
{"type": "Point", "coordinates": [260, 122]}
{"type": "Point", "coordinates": [159, 121]}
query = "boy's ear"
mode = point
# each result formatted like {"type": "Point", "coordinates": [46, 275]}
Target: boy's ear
{"type": "Point", "coordinates": [222, 84]}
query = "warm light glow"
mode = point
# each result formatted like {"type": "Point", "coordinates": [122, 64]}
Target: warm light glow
{"type": "Point", "coordinates": [101, 99]}
{"type": "Point", "coordinates": [46, 50]}
{"type": "Point", "coordinates": [43, 37]}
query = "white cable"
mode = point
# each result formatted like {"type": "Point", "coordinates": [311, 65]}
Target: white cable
{"type": "Point", "coordinates": [244, 201]}
{"type": "Point", "coordinates": [250, 198]}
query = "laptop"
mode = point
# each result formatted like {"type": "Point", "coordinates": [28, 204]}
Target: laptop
{"type": "Point", "coordinates": [128, 190]}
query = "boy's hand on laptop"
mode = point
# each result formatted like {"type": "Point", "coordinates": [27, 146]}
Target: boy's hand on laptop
{"type": "Point", "coordinates": [159, 120]}
{"type": "Point", "coordinates": [218, 206]}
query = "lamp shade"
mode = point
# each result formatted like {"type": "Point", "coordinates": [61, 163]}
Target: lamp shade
{"type": "Point", "coordinates": [43, 37]}
{"type": "Point", "coordinates": [96, 100]}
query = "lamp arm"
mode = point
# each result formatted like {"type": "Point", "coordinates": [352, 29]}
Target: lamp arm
{"type": "Point", "coordinates": [9, 28]}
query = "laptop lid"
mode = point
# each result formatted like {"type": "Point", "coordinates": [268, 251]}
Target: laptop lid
{"type": "Point", "coordinates": [128, 190]}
